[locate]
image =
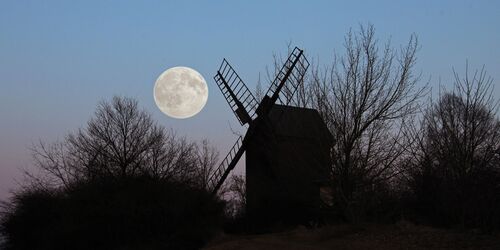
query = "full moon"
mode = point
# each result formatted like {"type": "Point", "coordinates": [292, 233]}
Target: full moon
{"type": "Point", "coordinates": [180, 92]}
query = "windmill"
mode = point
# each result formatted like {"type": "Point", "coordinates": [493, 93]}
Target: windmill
{"type": "Point", "coordinates": [275, 130]}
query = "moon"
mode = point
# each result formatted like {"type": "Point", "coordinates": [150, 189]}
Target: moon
{"type": "Point", "coordinates": [180, 92]}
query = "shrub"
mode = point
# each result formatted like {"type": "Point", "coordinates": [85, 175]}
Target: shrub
{"type": "Point", "coordinates": [125, 213]}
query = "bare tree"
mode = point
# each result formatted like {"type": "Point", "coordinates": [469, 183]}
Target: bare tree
{"type": "Point", "coordinates": [235, 192]}
{"type": "Point", "coordinates": [463, 124]}
{"type": "Point", "coordinates": [455, 150]}
{"type": "Point", "coordinates": [207, 156]}
{"type": "Point", "coordinates": [119, 141]}
{"type": "Point", "coordinates": [259, 93]}
{"type": "Point", "coordinates": [364, 98]}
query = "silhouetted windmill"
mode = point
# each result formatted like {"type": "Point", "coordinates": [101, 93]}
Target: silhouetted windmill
{"type": "Point", "coordinates": [287, 147]}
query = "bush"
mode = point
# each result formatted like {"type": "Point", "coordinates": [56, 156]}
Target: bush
{"type": "Point", "coordinates": [125, 213]}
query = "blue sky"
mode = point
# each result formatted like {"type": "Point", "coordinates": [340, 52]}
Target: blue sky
{"type": "Point", "coordinates": [59, 58]}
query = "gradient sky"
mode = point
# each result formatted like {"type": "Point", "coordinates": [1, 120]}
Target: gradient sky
{"type": "Point", "coordinates": [59, 58]}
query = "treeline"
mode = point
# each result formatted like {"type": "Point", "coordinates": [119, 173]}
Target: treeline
{"type": "Point", "coordinates": [399, 153]}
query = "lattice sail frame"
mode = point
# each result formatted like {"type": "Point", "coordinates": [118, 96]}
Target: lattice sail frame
{"type": "Point", "coordinates": [237, 94]}
{"type": "Point", "coordinates": [299, 64]}
{"type": "Point", "coordinates": [282, 89]}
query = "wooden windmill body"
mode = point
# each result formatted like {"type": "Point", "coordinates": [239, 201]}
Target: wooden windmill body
{"type": "Point", "coordinates": [287, 148]}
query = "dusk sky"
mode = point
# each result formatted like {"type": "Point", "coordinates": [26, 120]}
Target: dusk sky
{"type": "Point", "coordinates": [58, 59]}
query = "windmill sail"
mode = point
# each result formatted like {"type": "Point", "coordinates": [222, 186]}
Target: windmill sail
{"type": "Point", "coordinates": [227, 164]}
{"type": "Point", "coordinates": [288, 78]}
{"type": "Point", "coordinates": [237, 94]}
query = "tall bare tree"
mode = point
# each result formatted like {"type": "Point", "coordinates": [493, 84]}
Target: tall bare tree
{"type": "Point", "coordinates": [122, 140]}
{"type": "Point", "coordinates": [364, 98]}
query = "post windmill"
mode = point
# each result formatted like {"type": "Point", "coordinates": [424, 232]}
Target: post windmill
{"type": "Point", "coordinates": [287, 148]}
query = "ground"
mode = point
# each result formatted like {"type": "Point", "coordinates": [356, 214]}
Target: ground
{"type": "Point", "coordinates": [398, 236]}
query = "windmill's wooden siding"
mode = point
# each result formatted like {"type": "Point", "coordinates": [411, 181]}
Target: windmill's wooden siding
{"type": "Point", "coordinates": [286, 162]}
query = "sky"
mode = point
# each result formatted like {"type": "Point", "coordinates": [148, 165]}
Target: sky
{"type": "Point", "coordinates": [58, 59]}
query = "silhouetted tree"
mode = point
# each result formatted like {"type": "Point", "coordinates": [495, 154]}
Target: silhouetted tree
{"type": "Point", "coordinates": [453, 166]}
{"type": "Point", "coordinates": [259, 93]}
{"type": "Point", "coordinates": [207, 158]}
{"type": "Point", "coordinates": [364, 98]}
{"type": "Point", "coordinates": [236, 190]}
{"type": "Point", "coordinates": [122, 140]}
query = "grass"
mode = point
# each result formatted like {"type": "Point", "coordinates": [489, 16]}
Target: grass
{"type": "Point", "coordinates": [402, 235]}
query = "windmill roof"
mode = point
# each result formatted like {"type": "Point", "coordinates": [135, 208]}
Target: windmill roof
{"type": "Point", "coordinates": [299, 122]}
